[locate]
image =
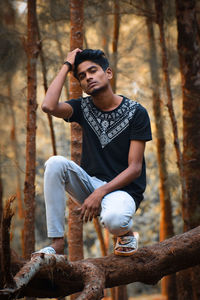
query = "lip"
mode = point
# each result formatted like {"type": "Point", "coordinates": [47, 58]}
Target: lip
{"type": "Point", "coordinates": [91, 84]}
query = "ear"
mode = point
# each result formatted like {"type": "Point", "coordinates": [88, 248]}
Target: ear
{"type": "Point", "coordinates": [109, 73]}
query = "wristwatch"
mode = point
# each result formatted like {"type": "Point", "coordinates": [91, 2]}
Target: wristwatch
{"type": "Point", "coordinates": [68, 64]}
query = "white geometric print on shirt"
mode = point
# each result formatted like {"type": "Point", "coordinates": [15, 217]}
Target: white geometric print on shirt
{"type": "Point", "coordinates": [107, 125]}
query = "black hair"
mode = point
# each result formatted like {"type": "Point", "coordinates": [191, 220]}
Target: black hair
{"type": "Point", "coordinates": [96, 56]}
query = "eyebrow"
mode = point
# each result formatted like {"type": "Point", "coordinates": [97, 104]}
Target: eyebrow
{"type": "Point", "coordinates": [94, 66]}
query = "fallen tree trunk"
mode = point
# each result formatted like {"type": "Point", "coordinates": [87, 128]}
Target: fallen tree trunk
{"type": "Point", "coordinates": [50, 276]}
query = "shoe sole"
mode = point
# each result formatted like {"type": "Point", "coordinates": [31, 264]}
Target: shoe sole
{"type": "Point", "coordinates": [124, 253]}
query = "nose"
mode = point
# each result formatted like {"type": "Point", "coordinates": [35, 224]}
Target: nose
{"type": "Point", "coordinates": [88, 76]}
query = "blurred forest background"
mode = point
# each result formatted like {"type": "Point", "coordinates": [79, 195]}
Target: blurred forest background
{"type": "Point", "coordinates": [140, 39]}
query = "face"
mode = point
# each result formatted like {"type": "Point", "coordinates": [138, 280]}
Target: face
{"type": "Point", "coordinates": [93, 79]}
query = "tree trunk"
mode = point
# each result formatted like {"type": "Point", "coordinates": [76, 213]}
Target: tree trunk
{"type": "Point", "coordinates": [6, 271]}
{"type": "Point", "coordinates": [29, 186]}
{"type": "Point", "coordinates": [115, 43]}
{"type": "Point", "coordinates": [169, 285]}
{"type": "Point", "coordinates": [160, 22]}
{"type": "Point", "coordinates": [1, 214]}
{"type": "Point", "coordinates": [1, 201]}
{"type": "Point", "coordinates": [105, 46]}
{"type": "Point", "coordinates": [120, 291]}
{"type": "Point", "coordinates": [104, 29]}
{"type": "Point", "coordinates": [75, 233]}
{"type": "Point", "coordinates": [166, 225]}
{"type": "Point", "coordinates": [189, 59]}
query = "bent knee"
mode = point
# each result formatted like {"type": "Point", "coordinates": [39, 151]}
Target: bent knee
{"type": "Point", "coordinates": [116, 223]}
{"type": "Point", "coordinates": [55, 165]}
{"type": "Point", "coordinates": [56, 161]}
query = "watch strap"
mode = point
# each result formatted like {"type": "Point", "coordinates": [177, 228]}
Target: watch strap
{"type": "Point", "coordinates": [68, 64]}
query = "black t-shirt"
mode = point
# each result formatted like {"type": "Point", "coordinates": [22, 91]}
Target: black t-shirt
{"type": "Point", "coordinates": [106, 139]}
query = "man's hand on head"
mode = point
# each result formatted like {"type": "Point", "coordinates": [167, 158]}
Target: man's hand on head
{"type": "Point", "coordinates": [71, 56]}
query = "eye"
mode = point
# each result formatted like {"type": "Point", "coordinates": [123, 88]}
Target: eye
{"type": "Point", "coordinates": [81, 76]}
{"type": "Point", "coordinates": [93, 70]}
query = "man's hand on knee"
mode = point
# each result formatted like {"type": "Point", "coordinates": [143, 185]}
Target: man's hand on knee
{"type": "Point", "coordinates": [91, 206]}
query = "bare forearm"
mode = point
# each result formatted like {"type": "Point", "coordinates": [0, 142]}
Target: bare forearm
{"type": "Point", "coordinates": [91, 205]}
{"type": "Point", "coordinates": [121, 180]}
{"type": "Point", "coordinates": [51, 101]}
{"type": "Point", "coordinates": [53, 94]}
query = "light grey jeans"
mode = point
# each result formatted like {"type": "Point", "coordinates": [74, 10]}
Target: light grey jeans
{"type": "Point", "coordinates": [61, 175]}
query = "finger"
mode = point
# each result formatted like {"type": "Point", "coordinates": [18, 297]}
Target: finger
{"type": "Point", "coordinates": [78, 50]}
{"type": "Point", "coordinates": [91, 217]}
{"type": "Point", "coordinates": [89, 214]}
{"type": "Point", "coordinates": [86, 217]}
{"type": "Point", "coordinates": [92, 214]}
{"type": "Point", "coordinates": [75, 51]}
{"type": "Point", "coordinates": [82, 212]}
{"type": "Point", "coordinates": [96, 213]}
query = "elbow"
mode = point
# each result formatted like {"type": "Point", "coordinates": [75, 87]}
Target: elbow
{"type": "Point", "coordinates": [46, 108]}
{"type": "Point", "coordinates": [138, 172]}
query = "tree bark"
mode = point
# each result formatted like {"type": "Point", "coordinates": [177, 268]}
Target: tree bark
{"type": "Point", "coordinates": [121, 291]}
{"type": "Point", "coordinates": [6, 275]}
{"type": "Point", "coordinates": [166, 225]}
{"type": "Point", "coordinates": [53, 276]}
{"type": "Point", "coordinates": [115, 43]}
{"type": "Point", "coordinates": [103, 29]}
{"type": "Point", "coordinates": [29, 185]}
{"type": "Point", "coordinates": [189, 59]}
{"type": "Point", "coordinates": [165, 67]}
{"type": "Point", "coordinates": [75, 225]}
{"type": "Point", "coordinates": [1, 214]}
{"type": "Point", "coordinates": [1, 201]}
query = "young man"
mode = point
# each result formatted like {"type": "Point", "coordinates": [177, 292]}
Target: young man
{"type": "Point", "coordinates": [111, 179]}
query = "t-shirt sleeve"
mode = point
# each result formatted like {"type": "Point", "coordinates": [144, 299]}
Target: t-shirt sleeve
{"type": "Point", "coordinates": [140, 125]}
{"type": "Point", "coordinates": [76, 105]}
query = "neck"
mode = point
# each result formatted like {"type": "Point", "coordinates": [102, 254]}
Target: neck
{"type": "Point", "coordinates": [106, 100]}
